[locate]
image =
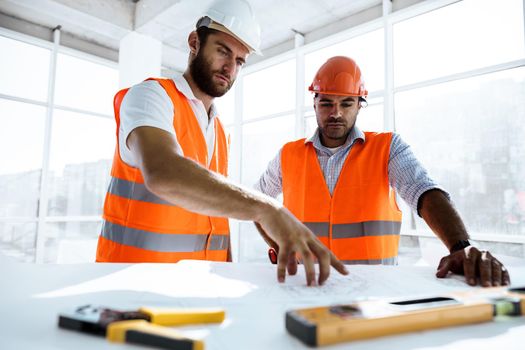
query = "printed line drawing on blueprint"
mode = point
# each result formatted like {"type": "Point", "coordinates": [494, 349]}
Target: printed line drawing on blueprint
{"type": "Point", "coordinates": [337, 286]}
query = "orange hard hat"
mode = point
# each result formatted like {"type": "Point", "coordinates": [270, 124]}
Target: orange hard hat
{"type": "Point", "coordinates": [339, 75]}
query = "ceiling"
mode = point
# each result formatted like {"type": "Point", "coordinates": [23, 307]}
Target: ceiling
{"type": "Point", "coordinates": [104, 23]}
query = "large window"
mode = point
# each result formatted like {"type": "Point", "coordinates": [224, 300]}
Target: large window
{"type": "Point", "coordinates": [460, 37]}
{"type": "Point", "coordinates": [459, 103]}
{"type": "Point", "coordinates": [470, 134]}
{"type": "Point", "coordinates": [23, 118]}
{"type": "Point", "coordinates": [21, 151]}
{"type": "Point", "coordinates": [70, 143]}
{"type": "Point", "coordinates": [81, 152]}
{"type": "Point", "coordinates": [269, 95]}
{"type": "Point", "coordinates": [80, 155]}
{"type": "Point", "coordinates": [268, 121]}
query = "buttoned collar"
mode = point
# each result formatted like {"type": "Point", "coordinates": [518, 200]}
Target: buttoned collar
{"type": "Point", "coordinates": [354, 135]}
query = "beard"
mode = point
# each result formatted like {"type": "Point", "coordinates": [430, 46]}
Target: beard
{"type": "Point", "coordinates": [202, 74]}
{"type": "Point", "coordinates": [335, 133]}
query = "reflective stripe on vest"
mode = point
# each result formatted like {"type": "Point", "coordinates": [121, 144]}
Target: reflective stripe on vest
{"type": "Point", "coordinates": [134, 190]}
{"type": "Point", "coordinates": [161, 242]}
{"type": "Point", "coordinates": [321, 229]}
{"type": "Point", "coordinates": [360, 222]}
{"type": "Point", "coordinates": [139, 226]}
{"type": "Point", "coordinates": [365, 229]}
{"type": "Point", "coordinates": [387, 261]}
{"type": "Point", "coordinates": [359, 229]}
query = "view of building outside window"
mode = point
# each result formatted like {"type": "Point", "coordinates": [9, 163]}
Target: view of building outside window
{"type": "Point", "coordinates": [467, 132]}
{"type": "Point", "coordinates": [470, 135]}
{"type": "Point", "coordinates": [21, 143]}
{"type": "Point", "coordinates": [20, 170]}
{"type": "Point", "coordinates": [464, 114]}
{"type": "Point", "coordinates": [80, 154]}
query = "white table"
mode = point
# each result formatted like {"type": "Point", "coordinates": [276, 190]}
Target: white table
{"type": "Point", "coordinates": [33, 295]}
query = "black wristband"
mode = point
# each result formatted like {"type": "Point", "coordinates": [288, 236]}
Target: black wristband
{"type": "Point", "coordinates": [462, 244]}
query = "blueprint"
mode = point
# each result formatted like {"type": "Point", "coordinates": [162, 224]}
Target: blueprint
{"type": "Point", "coordinates": [225, 283]}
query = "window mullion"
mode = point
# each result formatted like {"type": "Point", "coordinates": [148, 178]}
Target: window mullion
{"type": "Point", "coordinates": [43, 198]}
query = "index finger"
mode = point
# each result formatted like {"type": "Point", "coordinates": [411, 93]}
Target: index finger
{"type": "Point", "coordinates": [485, 269]}
{"type": "Point", "coordinates": [308, 263]}
{"type": "Point", "coordinates": [323, 258]}
{"type": "Point", "coordinates": [292, 263]}
{"type": "Point", "coordinates": [470, 265]}
{"type": "Point", "coordinates": [282, 262]}
{"type": "Point", "coordinates": [337, 264]}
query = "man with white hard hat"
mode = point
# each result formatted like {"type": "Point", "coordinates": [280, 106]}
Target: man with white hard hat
{"type": "Point", "coordinates": [169, 198]}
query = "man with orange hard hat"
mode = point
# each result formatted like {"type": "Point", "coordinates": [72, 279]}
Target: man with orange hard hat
{"type": "Point", "coordinates": [168, 197]}
{"type": "Point", "coordinates": [340, 183]}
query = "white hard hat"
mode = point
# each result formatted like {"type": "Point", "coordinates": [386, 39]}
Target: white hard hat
{"type": "Point", "coordinates": [236, 18]}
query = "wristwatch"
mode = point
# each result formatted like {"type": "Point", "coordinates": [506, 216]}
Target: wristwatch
{"type": "Point", "coordinates": [459, 245]}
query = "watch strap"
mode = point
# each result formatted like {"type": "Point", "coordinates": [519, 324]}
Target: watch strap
{"type": "Point", "coordinates": [459, 245]}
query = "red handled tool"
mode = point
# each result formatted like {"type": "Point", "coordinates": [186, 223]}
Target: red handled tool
{"type": "Point", "coordinates": [272, 255]}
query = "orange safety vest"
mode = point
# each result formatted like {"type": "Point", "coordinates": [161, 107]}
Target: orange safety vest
{"type": "Point", "coordinates": [360, 222]}
{"type": "Point", "coordinates": [138, 226]}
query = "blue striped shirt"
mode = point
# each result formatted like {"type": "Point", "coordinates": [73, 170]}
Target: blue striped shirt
{"type": "Point", "coordinates": [405, 173]}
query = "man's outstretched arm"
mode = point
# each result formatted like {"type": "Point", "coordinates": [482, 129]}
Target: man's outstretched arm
{"type": "Point", "coordinates": [185, 183]}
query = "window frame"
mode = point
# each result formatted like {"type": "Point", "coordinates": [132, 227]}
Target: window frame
{"type": "Point", "coordinates": [42, 218]}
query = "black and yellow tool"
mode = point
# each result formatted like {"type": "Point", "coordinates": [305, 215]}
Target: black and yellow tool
{"type": "Point", "coordinates": [374, 318]}
{"type": "Point", "coordinates": [146, 326]}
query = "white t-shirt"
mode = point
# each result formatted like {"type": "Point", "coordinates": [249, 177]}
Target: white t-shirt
{"type": "Point", "coordinates": [333, 150]}
{"type": "Point", "coordinates": [148, 104]}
